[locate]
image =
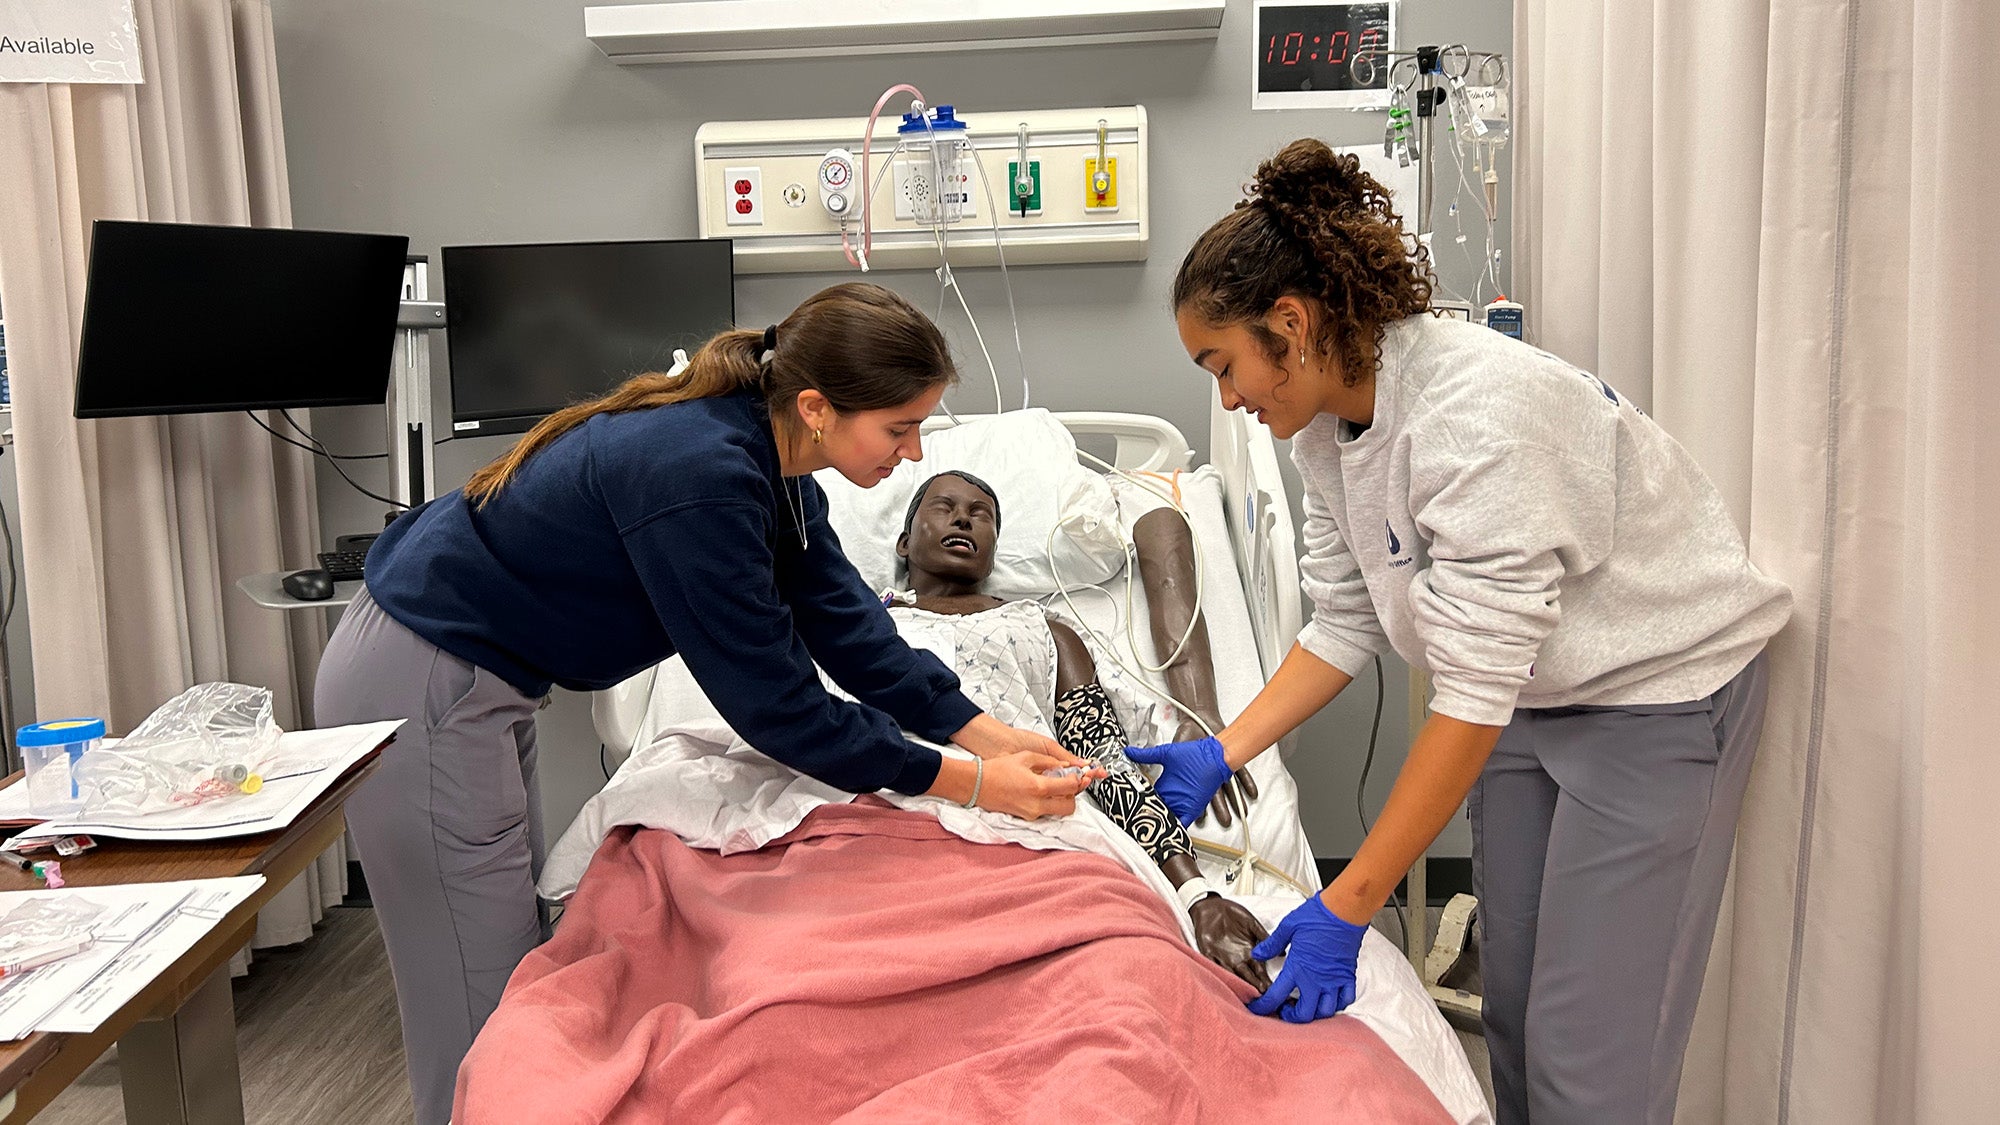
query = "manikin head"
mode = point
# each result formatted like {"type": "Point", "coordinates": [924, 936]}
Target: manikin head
{"type": "Point", "coordinates": [949, 533]}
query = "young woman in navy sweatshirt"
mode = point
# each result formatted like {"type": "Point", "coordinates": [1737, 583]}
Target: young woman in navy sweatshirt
{"type": "Point", "coordinates": [675, 515]}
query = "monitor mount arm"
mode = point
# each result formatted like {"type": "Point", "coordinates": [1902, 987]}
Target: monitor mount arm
{"type": "Point", "coordinates": [411, 471]}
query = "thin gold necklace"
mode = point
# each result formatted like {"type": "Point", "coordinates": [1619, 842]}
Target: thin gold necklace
{"type": "Point", "coordinates": [796, 500]}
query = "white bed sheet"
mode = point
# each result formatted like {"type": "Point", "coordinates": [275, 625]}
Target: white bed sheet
{"type": "Point", "coordinates": [692, 776]}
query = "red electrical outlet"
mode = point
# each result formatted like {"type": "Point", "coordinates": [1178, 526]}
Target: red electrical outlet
{"type": "Point", "coordinates": [745, 196]}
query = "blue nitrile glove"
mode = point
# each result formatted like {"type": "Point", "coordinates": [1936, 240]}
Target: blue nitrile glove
{"type": "Point", "coordinates": [1320, 966]}
{"type": "Point", "coordinates": [1194, 771]}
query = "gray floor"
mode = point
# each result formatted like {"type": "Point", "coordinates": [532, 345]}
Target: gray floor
{"type": "Point", "coordinates": [316, 1030]}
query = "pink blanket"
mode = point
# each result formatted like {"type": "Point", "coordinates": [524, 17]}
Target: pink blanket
{"type": "Point", "coordinates": [871, 966]}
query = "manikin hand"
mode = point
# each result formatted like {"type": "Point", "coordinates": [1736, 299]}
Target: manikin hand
{"type": "Point", "coordinates": [1320, 966]}
{"type": "Point", "coordinates": [1193, 772]}
{"type": "Point", "coordinates": [1239, 784]}
{"type": "Point", "coordinates": [1226, 933]}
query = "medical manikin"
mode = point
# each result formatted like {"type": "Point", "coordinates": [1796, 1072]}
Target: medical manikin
{"type": "Point", "coordinates": [1015, 659]}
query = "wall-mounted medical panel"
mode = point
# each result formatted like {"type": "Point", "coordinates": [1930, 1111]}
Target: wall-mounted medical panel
{"type": "Point", "coordinates": [1060, 185]}
{"type": "Point", "coordinates": [736, 30]}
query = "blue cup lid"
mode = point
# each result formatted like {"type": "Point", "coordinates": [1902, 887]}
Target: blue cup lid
{"type": "Point", "coordinates": [60, 732]}
{"type": "Point", "coordinates": [942, 121]}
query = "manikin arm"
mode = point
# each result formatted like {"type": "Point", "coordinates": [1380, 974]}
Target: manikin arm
{"type": "Point", "coordinates": [1166, 552]}
{"type": "Point", "coordinates": [1087, 725]}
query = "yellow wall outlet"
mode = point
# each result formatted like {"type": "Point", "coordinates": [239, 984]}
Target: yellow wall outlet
{"type": "Point", "coordinates": [1100, 194]}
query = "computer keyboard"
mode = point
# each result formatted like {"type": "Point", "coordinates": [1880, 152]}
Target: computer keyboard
{"type": "Point", "coordinates": [342, 566]}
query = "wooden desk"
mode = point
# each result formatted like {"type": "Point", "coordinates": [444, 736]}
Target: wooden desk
{"type": "Point", "coordinates": [177, 1037]}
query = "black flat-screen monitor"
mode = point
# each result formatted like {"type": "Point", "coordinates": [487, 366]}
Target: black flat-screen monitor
{"type": "Point", "coordinates": [534, 328]}
{"type": "Point", "coordinates": [185, 319]}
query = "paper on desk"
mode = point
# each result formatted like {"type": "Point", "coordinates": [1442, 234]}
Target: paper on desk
{"type": "Point", "coordinates": [206, 903]}
{"type": "Point", "coordinates": [146, 927]}
{"type": "Point", "coordinates": [308, 762]}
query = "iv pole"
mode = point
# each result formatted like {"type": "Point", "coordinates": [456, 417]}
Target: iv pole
{"type": "Point", "coordinates": [1431, 85]}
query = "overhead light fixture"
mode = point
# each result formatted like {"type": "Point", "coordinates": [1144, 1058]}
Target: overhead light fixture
{"type": "Point", "coordinates": [740, 30]}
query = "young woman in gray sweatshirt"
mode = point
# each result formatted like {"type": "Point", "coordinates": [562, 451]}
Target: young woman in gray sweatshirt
{"type": "Point", "coordinates": [1574, 586]}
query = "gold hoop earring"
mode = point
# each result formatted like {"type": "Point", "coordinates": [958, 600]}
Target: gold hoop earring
{"type": "Point", "coordinates": [816, 437]}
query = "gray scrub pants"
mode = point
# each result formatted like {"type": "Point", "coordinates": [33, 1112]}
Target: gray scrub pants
{"type": "Point", "coordinates": [1601, 838]}
{"type": "Point", "coordinates": [449, 829]}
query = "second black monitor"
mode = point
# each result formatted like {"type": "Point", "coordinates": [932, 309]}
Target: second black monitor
{"type": "Point", "coordinates": [533, 328]}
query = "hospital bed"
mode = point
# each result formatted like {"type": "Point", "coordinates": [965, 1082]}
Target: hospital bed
{"type": "Point", "coordinates": [1257, 616]}
{"type": "Point", "coordinates": [1239, 511]}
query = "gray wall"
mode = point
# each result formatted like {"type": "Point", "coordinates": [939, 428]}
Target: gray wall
{"type": "Point", "coordinates": [465, 121]}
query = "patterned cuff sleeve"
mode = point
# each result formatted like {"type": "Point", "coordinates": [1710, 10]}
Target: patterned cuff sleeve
{"type": "Point", "coordinates": [1087, 726]}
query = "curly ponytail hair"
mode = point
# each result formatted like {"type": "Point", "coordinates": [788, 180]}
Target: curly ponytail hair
{"type": "Point", "coordinates": [1316, 227]}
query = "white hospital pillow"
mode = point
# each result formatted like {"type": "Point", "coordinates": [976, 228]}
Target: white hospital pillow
{"type": "Point", "coordinates": [1030, 460]}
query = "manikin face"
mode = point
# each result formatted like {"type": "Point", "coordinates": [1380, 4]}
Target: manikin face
{"type": "Point", "coordinates": [865, 446]}
{"type": "Point", "coordinates": [952, 534]}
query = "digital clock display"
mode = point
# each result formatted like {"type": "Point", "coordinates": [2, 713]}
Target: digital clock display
{"type": "Point", "coordinates": [1305, 54]}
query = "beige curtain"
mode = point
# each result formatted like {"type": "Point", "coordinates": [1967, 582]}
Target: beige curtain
{"type": "Point", "coordinates": [134, 530]}
{"type": "Point", "coordinates": [1771, 219]}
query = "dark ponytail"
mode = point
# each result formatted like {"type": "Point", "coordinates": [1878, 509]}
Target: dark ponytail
{"type": "Point", "coordinates": [1316, 227]}
{"type": "Point", "coordinates": [860, 345]}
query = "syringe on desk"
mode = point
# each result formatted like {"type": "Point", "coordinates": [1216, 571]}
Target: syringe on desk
{"type": "Point", "coordinates": [20, 961]}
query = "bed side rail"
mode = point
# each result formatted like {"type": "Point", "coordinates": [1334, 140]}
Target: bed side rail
{"type": "Point", "coordinates": [1260, 528]}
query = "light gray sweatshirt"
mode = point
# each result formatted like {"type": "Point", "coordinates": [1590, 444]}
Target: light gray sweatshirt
{"type": "Point", "coordinates": [1516, 527]}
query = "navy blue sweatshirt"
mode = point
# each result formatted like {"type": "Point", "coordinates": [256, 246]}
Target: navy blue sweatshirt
{"type": "Point", "coordinates": [639, 535]}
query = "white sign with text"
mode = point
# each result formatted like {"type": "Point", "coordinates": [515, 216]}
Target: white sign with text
{"type": "Point", "coordinates": [68, 41]}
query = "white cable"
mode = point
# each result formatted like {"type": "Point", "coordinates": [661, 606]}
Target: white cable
{"type": "Point", "coordinates": [1110, 646]}
{"type": "Point", "coordinates": [1048, 598]}
{"type": "Point", "coordinates": [980, 338]}
{"type": "Point", "coordinates": [1006, 283]}
{"type": "Point", "coordinates": [1247, 859]}
{"type": "Point", "coordinates": [1463, 187]}
{"type": "Point", "coordinates": [1493, 217]}
{"type": "Point", "coordinates": [1200, 576]}
{"type": "Point", "coordinates": [940, 223]}
{"type": "Point", "coordinates": [1488, 270]}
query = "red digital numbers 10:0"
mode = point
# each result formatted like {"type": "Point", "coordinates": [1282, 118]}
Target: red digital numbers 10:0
{"type": "Point", "coordinates": [1289, 52]}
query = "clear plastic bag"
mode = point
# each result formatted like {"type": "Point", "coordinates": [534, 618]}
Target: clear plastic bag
{"type": "Point", "coordinates": [42, 925]}
{"type": "Point", "coordinates": [211, 742]}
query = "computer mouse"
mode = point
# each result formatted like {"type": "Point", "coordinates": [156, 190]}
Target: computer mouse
{"type": "Point", "coordinates": [308, 585]}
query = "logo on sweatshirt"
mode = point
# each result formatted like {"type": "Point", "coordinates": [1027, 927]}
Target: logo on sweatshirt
{"type": "Point", "coordinates": [1603, 387]}
{"type": "Point", "coordinates": [1395, 546]}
